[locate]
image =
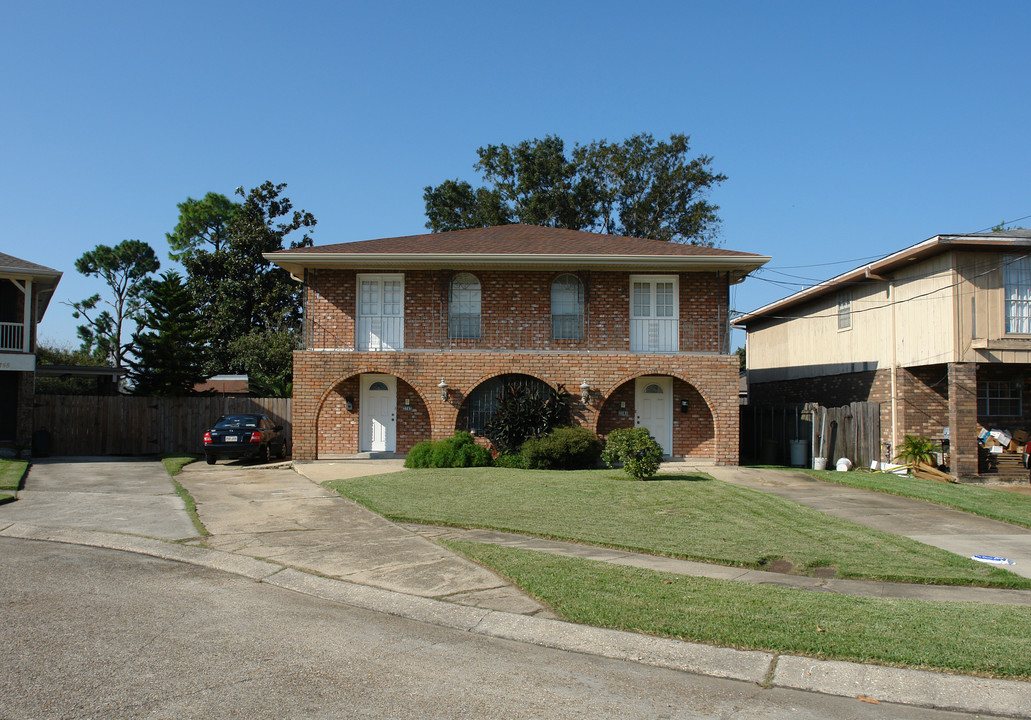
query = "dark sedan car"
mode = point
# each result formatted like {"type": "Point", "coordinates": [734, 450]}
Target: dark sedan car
{"type": "Point", "coordinates": [243, 436]}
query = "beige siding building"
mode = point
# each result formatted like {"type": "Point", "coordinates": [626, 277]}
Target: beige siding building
{"type": "Point", "coordinates": [939, 333]}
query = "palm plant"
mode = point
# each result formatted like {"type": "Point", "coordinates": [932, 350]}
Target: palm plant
{"type": "Point", "coordinates": [915, 450]}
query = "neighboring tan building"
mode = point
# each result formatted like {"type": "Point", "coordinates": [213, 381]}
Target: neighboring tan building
{"type": "Point", "coordinates": [938, 333]}
{"type": "Point", "coordinates": [410, 338]}
{"type": "Point", "coordinates": [25, 292]}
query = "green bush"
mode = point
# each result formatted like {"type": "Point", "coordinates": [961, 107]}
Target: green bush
{"type": "Point", "coordinates": [636, 449]}
{"type": "Point", "coordinates": [564, 448]}
{"type": "Point", "coordinates": [457, 451]}
{"type": "Point", "coordinates": [510, 460]}
{"type": "Point", "coordinates": [419, 456]}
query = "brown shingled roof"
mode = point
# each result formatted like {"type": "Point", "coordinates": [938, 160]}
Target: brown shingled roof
{"type": "Point", "coordinates": [9, 262]}
{"type": "Point", "coordinates": [516, 239]}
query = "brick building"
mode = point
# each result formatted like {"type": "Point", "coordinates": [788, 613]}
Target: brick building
{"type": "Point", "coordinates": [410, 338]}
{"type": "Point", "coordinates": [25, 292]}
{"type": "Point", "coordinates": [938, 333]}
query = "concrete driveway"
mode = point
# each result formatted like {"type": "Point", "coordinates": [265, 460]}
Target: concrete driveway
{"type": "Point", "coordinates": [123, 495]}
{"type": "Point", "coordinates": [925, 522]}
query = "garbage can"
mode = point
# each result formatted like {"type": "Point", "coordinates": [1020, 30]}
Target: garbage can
{"type": "Point", "coordinates": [799, 453]}
{"type": "Point", "coordinates": [41, 443]}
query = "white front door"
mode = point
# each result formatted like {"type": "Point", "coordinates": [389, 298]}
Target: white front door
{"type": "Point", "coordinates": [378, 413]}
{"type": "Point", "coordinates": [653, 402]}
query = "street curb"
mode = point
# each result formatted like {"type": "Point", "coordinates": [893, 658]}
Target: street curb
{"type": "Point", "coordinates": [1009, 698]}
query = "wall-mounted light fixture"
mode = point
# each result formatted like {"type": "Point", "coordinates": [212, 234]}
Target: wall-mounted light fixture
{"type": "Point", "coordinates": [683, 406]}
{"type": "Point", "coordinates": [349, 404]}
{"type": "Point", "coordinates": [585, 392]}
{"type": "Point", "coordinates": [443, 390]}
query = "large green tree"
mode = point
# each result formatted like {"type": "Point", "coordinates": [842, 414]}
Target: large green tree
{"type": "Point", "coordinates": [220, 243]}
{"type": "Point", "coordinates": [169, 342]}
{"type": "Point", "coordinates": [125, 268]}
{"type": "Point", "coordinates": [639, 187]}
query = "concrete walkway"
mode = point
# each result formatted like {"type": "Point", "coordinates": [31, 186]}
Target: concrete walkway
{"type": "Point", "coordinates": [952, 530]}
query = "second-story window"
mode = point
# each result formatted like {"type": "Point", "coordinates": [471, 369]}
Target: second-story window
{"type": "Point", "coordinates": [464, 307]}
{"type": "Point", "coordinates": [1017, 278]}
{"type": "Point", "coordinates": [845, 311]}
{"type": "Point", "coordinates": [380, 323]}
{"type": "Point", "coordinates": [654, 322]}
{"type": "Point", "coordinates": [567, 308]}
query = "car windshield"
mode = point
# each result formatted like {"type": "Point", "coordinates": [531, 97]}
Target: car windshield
{"type": "Point", "coordinates": [238, 421]}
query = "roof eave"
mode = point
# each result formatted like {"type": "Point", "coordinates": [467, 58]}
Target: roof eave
{"type": "Point", "coordinates": [296, 263]}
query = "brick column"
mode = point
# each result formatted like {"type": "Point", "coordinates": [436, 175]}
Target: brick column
{"type": "Point", "coordinates": [963, 418]}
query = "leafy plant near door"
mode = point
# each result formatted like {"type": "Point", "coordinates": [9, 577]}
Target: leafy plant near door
{"type": "Point", "coordinates": [915, 449]}
{"type": "Point", "coordinates": [523, 414]}
{"type": "Point", "coordinates": [639, 453]}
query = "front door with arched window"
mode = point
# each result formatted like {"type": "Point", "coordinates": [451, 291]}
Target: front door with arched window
{"type": "Point", "coordinates": [653, 400]}
{"type": "Point", "coordinates": [377, 413]}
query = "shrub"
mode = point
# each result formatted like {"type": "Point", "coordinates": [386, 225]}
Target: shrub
{"type": "Point", "coordinates": [457, 451]}
{"type": "Point", "coordinates": [564, 448]}
{"type": "Point", "coordinates": [419, 456]}
{"type": "Point", "coordinates": [523, 414]}
{"type": "Point", "coordinates": [510, 460]}
{"type": "Point", "coordinates": [636, 449]}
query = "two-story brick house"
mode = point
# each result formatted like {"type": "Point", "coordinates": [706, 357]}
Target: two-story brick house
{"type": "Point", "coordinates": [25, 292]}
{"type": "Point", "coordinates": [938, 333]}
{"type": "Point", "coordinates": [410, 338]}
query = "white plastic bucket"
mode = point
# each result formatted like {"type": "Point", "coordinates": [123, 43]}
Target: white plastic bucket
{"type": "Point", "coordinates": [819, 463]}
{"type": "Point", "coordinates": [843, 465]}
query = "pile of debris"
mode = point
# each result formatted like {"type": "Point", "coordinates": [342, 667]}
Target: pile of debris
{"type": "Point", "coordinates": [1003, 450]}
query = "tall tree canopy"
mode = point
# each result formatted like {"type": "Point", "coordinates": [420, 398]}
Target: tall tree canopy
{"type": "Point", "coordinates": [125, 268]}
{"type": "Point", "coordinates": [638, 187]}
{"type": "Point", "coordinates": [169, 341]}
{"type": "Point", "coordinates": [220, 244]}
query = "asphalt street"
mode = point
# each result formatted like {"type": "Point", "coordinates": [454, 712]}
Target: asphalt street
{"type": "Point", "coordinates": [97, 633]}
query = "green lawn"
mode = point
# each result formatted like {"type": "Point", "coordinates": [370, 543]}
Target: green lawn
{"type": "Point", "coordinates": [687, 516]}
{"type": "Point", "coordinates": [984, 501]}
{"type": "Point", "coordinates": [975, 638]}
{"type": "Point", "coordinates": [11, 474]}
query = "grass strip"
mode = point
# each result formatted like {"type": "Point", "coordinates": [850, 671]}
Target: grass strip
{"type": "Point", "coordinates": [689, 516]}
{"type": "Point", "coordinates": [174, 465]}
{"type": "Point", "coordinates": [991, 503]}
{"type": "Point", "coordinates": [11, 474]}
{"type": "Point", "coordinates": [974, 638]}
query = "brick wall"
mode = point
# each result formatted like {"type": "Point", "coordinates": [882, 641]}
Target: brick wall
{"type": "Point", "coordinates": [323, 379]}
{"type": "Point", "coordinates": [515, 310]}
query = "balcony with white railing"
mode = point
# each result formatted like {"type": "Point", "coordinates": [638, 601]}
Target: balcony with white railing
{"type": "Point", "coordinates": [12, 337]}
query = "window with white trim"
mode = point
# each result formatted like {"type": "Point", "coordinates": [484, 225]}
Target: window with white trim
{"type": "Point", "coordinates": [567, 308]}
{"type": "Point", "coordinates": [380, 323]}
{"type": "Point", "coordinates": [464, 307]}
{"type": "Point", "coordinates": [845, 311]}
{"type": "Point", "coordinates": [1016, 278]}
{"type": "Point", "coordinates": [654, 321]}
{"type": "Point", "coordinates": [999, 398]}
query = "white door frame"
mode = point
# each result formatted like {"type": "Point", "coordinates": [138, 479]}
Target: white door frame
{"type": "Point", "coordinates": [665, 382]}
{"type": "Point", "coordinates": [377, 433]}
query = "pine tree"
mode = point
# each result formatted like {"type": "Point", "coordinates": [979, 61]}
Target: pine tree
{"type": "Point", "coordinates": [171, 357]}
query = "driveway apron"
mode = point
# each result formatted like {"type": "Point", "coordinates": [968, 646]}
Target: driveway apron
{"type": "Point", "coordinates": [952, 530]}
{"type": "Point", "coordinates": [279, 515]}
{"type": "Point", "coordinates": [122, 495]}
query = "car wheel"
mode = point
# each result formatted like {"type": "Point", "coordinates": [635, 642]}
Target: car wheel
{"type": "Point", "coordinates": [263, 454]}
{"type": "Point", "coordinates": [282, 450]}
{"type": "Point", "coordinates": [210, 459]}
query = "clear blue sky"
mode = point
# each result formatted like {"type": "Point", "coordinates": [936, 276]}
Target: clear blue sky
{"type": "Point", "coordinates": [847, 130]}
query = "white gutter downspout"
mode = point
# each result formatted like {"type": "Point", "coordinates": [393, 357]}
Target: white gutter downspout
{"type": "Point", "coordinates": [894, 375]}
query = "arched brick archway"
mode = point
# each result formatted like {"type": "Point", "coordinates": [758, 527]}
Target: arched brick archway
{"type": "Point", "coordinates": [695, 433]}
{"type": "Point", "coordinates": [471, 418]}
{"type": "Point", "coordinates": [337, 427]}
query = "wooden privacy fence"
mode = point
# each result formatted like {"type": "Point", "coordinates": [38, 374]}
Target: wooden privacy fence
{"type": "Point", "coordinates": [124, 425]}
{"type": "Point", "coordinates": [794, 434]}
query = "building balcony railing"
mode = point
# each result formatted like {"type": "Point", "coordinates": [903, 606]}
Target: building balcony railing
{"type": "Point", "coordinates": [12, 336]}
{"type": "Point", "coordinates": [565, 334]}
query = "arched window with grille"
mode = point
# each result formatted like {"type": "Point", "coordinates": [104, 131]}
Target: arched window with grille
{"type": "Point", "coordinates": [464, 307]}
{"type": "Point", "coordinates": [567, 308]}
